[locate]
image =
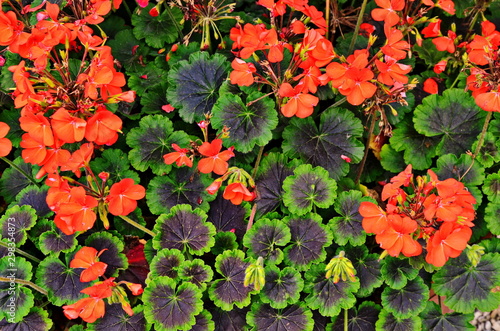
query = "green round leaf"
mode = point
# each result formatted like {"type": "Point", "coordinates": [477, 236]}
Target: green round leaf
{"type": "Point", "coordinates": [308, 187]}
{"type": "Point", "coordinates": [292, 318]}
{"type": "Point", "coordinates": [454, 117]}
{"type": "Point", "coordinates": [229, 290]}
{"type": "Point", "coordinates": [35, 197]}
{"type": "Point", "coordinates": [165, 263]}
{"type": "Point", "coordinates": [151, 140]}
{"type": "Point", "coordinates": [362, 318]}
{"type": "Point", "coordinates": [37, 319]}
{"type": "Point", "coordinates": [180, 186]}
{"type": "Point", "coordinates": [15, 300]}
{"type": "Point", "coordinates": [407, 301]}
{"type": "Point", "coordinates": [159, 30]}
{"type": "Point", "coordinates": [434, 319]}
{"type": "Point", "coordinates": [489, 154]}
{"type": "Point", "coordinates": [463, 169]}
{"type": "Point", "coordinates": [196, 272]}
{"type": "Point", "coordinates": [13, 181]}
{"type": "Point", "coordinates": [347, 227]}
{"type": "Point", "coordinates": [309, 237]}
{"type": "Point", "coordinates": [282, 287]}
{"type": "Point", "coordinates": [327, 296]}
{"type": "Point", "coordinates": [467, 287]}
{"type": "Point", "coordinates": [491, 217]}
{"type": "Point", "coordinates": [396, 272]}
{"type": "Point", "coordinates": [193, 86]}
{"type": "Point", "coordinates": [122, 47]}
{"type": "Point", "coordinates": [337, 135]}
{"type": "Point", "coordinates": [146, 78]}
{"type": "Point", "coordinates": [224, 241]}
{"type": "Point", "coordinates": [184, 229]}
{"type": "Point", "coordinates": [249, 125]}
{"type": "Point", "coordinates": [272, 172]}
{"type": "Point", "coordinates": [55, 241]}
{"type": "Point", "coordinates": [116, 318]}
{"type": "Point", "coordinates": [491, 187]}
{"type": "Point", "coordinates": [16, 221]}
{"type": "Point", "coordinates": [263, 238]}
{"type": "Point", "coordinates": [388, 322]}
{"type": "Point", "coordinates": [115, 162]}
{"type": "Point", "coordinates": [367, 268]}
{"type": "Point", "coordinates": [391, 160]}
{"type": "Point", "coordinates": [170, 306]}
{"type": "Point", "coordinates": [227, 216]}
{"type": "Point", "coordinates": [61, 282]}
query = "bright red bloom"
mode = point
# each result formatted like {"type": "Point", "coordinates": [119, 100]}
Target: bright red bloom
{"type": "Point", "coordinates": [432, 30]}
{"type": "Point", "coordinates": [449, 241]}
{"type": "Point", "coordinates": [237, 192]}
{"type": "Point", "coordinates": [374, 218]}
{"type": "Point", "coordinates": [89, 309]}
{"type": "Point", "coordinates": [79, 159]}
{"type": "Point", "coordinates": [10, 28]}
{"type": "Point", "coordinates": [5, 143]}
{"type": "Point", "coordinates": [38, 127]}
{"type": "Point", "coordinates": [397, 238]}
{"type": "Point", "coordinates": [391, 71]}
{"type": "Point", "coordinates": [103, 128]}
{"type": "Point", "coordinates": [395, 46]}
{"type": "Point", "coordinates": [431, 86]}
{"type": "Point", "coordinates": [387, 12]}
{"type": "Point", "coordinates": [123, 197]}
{"type": "Point", "coordinates": [88, 259]}
{"type": "Point", "coordinates": [77, 214]}
{"type": "Point", "coordinates": [299, 104]}
{"type": "Point", "coordinates": [489, 101]}
{"type": "Point", "coordinates": [440, 66]}
{"type": "Point", "coordinates": [242, 73]}
{"type": "Point", "coordinates": [214, 187]}
{"type": "Point", "coordinates": [446, 43]}
{"type": "Point", "coordinates": [68, 128]}
{"type": "Point", "coordinates": [180, 157]}
{"type": "Point", "coordinates": [214, 159]}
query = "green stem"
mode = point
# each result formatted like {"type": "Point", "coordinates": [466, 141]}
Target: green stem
{"type": "Point", "coordinates": [137, 225]}
{"type": "Point", "coordinates": [358, 24]}
{"type": "Point", "coordinates": [127, 8]}
{"type": "Point", "coordinates": [21, 252]}
{"type": "Point", "coordinates": [346, 321]}
{"type": "Point", "coordinates": [30, 178]}
{"type": "Point", "coordinates": [252, 216]}
{"type": "Point", "coordinates": [367, 148]}
{"type": "Point", "coordinates": [327, 18]}
{"type": "Point", "coordinates": [176, 24]}
{"type": "Point", "coordinates": [23, 282]}
{"type": "Point", "coordinates": [257, 162]}
{"type": "Point", "coordinates": [483, 134]}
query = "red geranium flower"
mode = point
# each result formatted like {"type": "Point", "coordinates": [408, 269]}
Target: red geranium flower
{"type": "Point", "coordinates": [5, 144]}
{"type": "Point", "coordinates": [397, 239]}
{"type": "Point", "coordinates": [214, 159]}
{"type": "Point", "coordinates": [180, 157]}
{"type": "Point", "coordinates": [123, 196]}
{"type": "Point", "coordinates": [88, 259]}
{"type": "Point", "coordinates": [237, 192]}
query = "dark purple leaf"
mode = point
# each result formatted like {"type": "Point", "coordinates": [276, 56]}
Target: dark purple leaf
{"type": "Point", "coordinates": [408, 301]}
{"type": "Point", "coordinates": [166, 262]}
{"type": "Point", "coordinates": [113, 255]}
{"type": "Point", "coordinates": [227, 216]}
{"type": "Point", "coordinates": [282, 287]}
{"type": "Point", "coordinates": [36, 320]}
{"type": "Point", "coordinates": [184, 229]}
{"type": "Point", "coordinates": [433, 319]}
{"type": "Point", "coordinates": [359, 319]}
{"type": "Point", "coordinates": [367, 269]}
{"type": "Point", "coordinates": [388, 322]}
{"type": "Point", "coordinates": [232, 320]}
{"type": "Point", "coordinates": [116, 318]}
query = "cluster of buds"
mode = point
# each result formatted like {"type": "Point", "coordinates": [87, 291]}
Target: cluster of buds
{"type": "Point", "coordinates": [422, 210]}
{"type": "Point", "coordinates": [340, 267]}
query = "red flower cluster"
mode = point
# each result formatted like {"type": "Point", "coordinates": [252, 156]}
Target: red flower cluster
{"type": "Point", "coordinates": [93, 307]}
{"type": "Point", "coordinates": [75, 206]}
{"type": "Point", "coordinates": [484, 81]}
{"type": "Point", "coordinates": [436, 212]}
{"type": "Point", "coordinates": [357, 77]}
{"type": "Point", "coordinates": [63, 110]}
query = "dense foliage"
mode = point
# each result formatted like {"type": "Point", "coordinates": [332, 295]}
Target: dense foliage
{"type": "Point", "coordinates": [274, 165]}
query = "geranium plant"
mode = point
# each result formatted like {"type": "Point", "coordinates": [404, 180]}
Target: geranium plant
{"type": "Point", "coordinates": [272, 165]}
